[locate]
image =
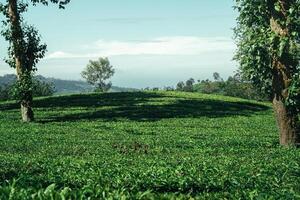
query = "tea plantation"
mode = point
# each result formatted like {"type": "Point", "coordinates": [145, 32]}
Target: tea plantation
{"type": "Point", "coordinates": [152, 145]}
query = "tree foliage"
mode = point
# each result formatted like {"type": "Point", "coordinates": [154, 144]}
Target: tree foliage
{"type": "Point", "coordinates": [234, 86]}
{"type": "Point", "coordinates": [25, 43]}
{"type": "Point", "coordinates": [98, 72]}
{"type": "Point", "coordinates": [269, 53]}
{"type": "Point", "coordinates": [24, 40]}
{"type": "Point", "coordinates": [259, 44]}
{"type": "Point", "coordinates": [25, 48]}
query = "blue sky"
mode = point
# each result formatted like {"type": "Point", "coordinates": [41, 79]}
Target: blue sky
{"type": "Point", "coordinates": [150, 42]}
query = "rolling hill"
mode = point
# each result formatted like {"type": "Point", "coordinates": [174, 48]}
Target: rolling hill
{"type": "Point", "coordinates": [145, 145]}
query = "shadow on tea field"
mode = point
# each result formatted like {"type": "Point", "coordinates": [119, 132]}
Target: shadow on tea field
{"type": "Point", "coordinates": [140, 106]}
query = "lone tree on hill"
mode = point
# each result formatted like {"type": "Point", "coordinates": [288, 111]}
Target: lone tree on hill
{"type": "Point", "coordinates": [25, 48]}
{"type": "Point", "coordinates": [268, 36]}
{"type": "Point", "coordinates": [97, 72]}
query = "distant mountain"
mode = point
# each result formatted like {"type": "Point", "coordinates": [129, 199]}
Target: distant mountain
{"type": "Point", "coordinates": [65, 86]}
{"type": "Point", "coordinates": [7, 79]}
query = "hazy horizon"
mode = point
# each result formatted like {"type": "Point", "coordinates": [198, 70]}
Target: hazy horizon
{"type": "Point", "coordinates": [150, 43]}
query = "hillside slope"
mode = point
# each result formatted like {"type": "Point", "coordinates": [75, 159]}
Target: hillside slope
{"type": "Point", "coordinates": [65, 86]}
{"type": "Point", "coordinates": [145, 146]}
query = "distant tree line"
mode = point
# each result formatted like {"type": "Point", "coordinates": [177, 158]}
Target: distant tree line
{"type": "Point", "coordinates": [9, 87]}
{"type": "Point", "coordinates": [235, 86]}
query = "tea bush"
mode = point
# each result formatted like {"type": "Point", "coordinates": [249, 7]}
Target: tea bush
{"type": "Point", "coordinates": [145, 145]}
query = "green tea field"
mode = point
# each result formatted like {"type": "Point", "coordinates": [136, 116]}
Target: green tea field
{"type": "Point", "coordinates": [145, 145]}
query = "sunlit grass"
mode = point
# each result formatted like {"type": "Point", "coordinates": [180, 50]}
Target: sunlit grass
{"type": "Point", "coordinates": [145, 145]}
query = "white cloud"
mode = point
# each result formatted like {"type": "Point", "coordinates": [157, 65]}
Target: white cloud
{"type": "Point", "coordinates": [61, 54]}
{"type": "Point", "coordinates": [179, 45]}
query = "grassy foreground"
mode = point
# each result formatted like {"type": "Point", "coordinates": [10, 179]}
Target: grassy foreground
{"type": "Point", "coordinates": [145, 146]}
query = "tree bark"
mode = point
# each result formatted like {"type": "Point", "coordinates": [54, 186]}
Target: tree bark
{"type": "Point", "coordinates": [288, 124]}
{"type": "Point", "coordinates": [287, 117]}
{"type": "Point", "coordinates": [18, 44]}
{"type": "Point", "coordinates": [26, 109]}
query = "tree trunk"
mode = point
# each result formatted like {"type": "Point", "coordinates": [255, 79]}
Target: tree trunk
{"type": "Point", "coordinates": [26, 98]}
{"type": "Point", "coordinates": [288, 123]}
{"type": "Point", "coordinates": [18, 44]}
{"type": "Point", "coordinates": [26, 111]}
{"type": "Point", "coordinates": [286, 116]}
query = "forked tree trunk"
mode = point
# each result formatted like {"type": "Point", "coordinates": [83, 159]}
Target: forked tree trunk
{"type": "Point", "coordinates": [18, 42]}
{"type": "Point", "coordinates": [287, 117]}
